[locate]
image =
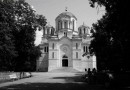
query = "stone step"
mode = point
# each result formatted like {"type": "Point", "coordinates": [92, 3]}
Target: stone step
{"type": "Point", "coordinates": [65, 69]}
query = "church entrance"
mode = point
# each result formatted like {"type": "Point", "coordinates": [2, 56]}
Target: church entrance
{"type": "Point", "coordinates": [64, 61]}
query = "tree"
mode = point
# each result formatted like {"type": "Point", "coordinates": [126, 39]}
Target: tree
{"type": "Point", "coordinates": [18, 25]}
{"type": "Point", "coordinates": [111, 35]}
{"type": "Point", "coordinates": [27, 22]}
{"type": "Point", "coordinates": [7, 47]}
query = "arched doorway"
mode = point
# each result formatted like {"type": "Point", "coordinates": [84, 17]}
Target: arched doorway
{"type": "Point", "coordinates": [64, 61]}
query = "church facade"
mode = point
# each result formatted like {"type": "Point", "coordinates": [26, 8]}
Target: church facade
{"type": "Point", "coordinates": [64, 45]}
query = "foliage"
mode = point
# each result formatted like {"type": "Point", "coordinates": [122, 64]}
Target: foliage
{"type": "Point", "coordinates": [7, 48]}
{"type": "Point", "coordinates": [111, 35]}
{"type": "Point", "coordinates": [20, 22]}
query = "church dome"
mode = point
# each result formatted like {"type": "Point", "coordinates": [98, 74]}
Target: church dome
{"type": "Point", "coordinates": [83, 25]}
{"type": "Point", "coordinates": [66, 21]}
{"type": "Point", "coordinates": [66, 14]}
{"type": "Point", "coordinates": [84, 29]}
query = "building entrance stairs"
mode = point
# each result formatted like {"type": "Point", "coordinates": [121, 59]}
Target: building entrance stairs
{"type": "Point", "coordinates": [65, 69]}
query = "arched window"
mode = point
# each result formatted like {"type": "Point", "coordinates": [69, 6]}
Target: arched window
{"type": "Point", "coordinates": [53, 46]}
{"type": "Point", "coordinates": [84, 31]}
{"type": "Point", "coordinates": [73, 25]}
{"type": "Point", "coordinates": [80, 31]}
{"type": "Point", "coordinates": [65, 24]}
{"type": "Point", "coordinates": [51, 31]}
{"type": "Point", "coordinates": [69, 25]}
{"type": "Point", "coordinates": [44, 49]}
{"type": "Point", "coordinates": [59, 25]}
{"type": "Point", "coordinates": [53, 55]}
{"type": "Point", "coordinates": [76, 45]}
{"type": "Point", "coordinates": [76, 54]}
{"type": "Point", "coordinates": [47, 49]}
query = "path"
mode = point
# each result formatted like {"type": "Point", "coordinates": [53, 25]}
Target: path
{"type": "Point", "coordinates": [50, 81]}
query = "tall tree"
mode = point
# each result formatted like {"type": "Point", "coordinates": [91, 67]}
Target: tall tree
{"type": "Point", "coordinates": [18, 23]}
{"type": "Point", "coordinates": [111, 35]}
{"type": "Point", "coordinates": [7, 47]}
{"type": "Point", "coordinates": [27, 22]}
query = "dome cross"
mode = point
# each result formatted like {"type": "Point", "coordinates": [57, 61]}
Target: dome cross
{"type": "Point", "coordinates": [66, 9]}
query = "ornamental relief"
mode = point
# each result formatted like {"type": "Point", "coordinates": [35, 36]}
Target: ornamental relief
{"type": "Point", "coordinates": [65, 49]}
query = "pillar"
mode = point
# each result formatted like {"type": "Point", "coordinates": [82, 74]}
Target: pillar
{"type": "Point", "coordinates": [67, 24]}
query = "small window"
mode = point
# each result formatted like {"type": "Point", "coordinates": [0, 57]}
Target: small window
{"type": "Point", "coordinates": [76, 45]}
{"type": "Point", "coordinates": [76, 54]}
{"type": "Point", "coordinates": [65, 24]}
{"type": "Point", "coordinates": [52, 54]}
{"type": "Point", "coordinates": [53, 46]}
{"type": "Point", "coordinates": [84, 31]}
{"type": "Point", "coordinates": [46, 49]}
{"type": "Point", "coordinates": [52, 32]}
{"type": "Point", "coordinates": [59, 25]}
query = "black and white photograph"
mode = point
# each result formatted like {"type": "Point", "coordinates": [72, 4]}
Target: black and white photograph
{"type": "Point", "coordinates": [64, 45]}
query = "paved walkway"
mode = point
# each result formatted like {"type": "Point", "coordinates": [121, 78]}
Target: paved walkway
{"type": "Point", "coordinates": [50, 81]}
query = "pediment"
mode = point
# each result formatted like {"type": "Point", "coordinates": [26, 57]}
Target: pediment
{"type": "Point", "coordinates": [65, 39]}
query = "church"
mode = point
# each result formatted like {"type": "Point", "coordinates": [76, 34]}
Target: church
{"type": "Point", "coordinates": [64, 45]}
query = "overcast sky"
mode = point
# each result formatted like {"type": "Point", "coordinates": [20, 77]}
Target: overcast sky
{"type": "Point", "coordinates": [52, 8]}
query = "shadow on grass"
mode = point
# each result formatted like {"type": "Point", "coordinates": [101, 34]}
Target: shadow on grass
{"type": "Point", "coordinates": [71, 83]}
{"type": "Point", "coordinates": [52, 86]}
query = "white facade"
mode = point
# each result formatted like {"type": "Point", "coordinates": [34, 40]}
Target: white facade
{"type": "Point", "coordinates": [64, 46]}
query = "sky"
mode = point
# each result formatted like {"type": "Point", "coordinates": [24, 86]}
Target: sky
{"type": "Point", "coordinates": [52, 8]}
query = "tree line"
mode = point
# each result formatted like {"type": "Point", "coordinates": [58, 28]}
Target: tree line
{"type": "Point", "coordinates": [18, 24]}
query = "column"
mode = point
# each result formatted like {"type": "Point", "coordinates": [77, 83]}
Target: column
{"type": "Point", "coordinates": [50, 30]}
{"type": "Point", "coordinates": [43, 31]}
{"type": "Point", "coordinates": [73, 24]}
{"type": "Point", "coordinates": [68, 24]}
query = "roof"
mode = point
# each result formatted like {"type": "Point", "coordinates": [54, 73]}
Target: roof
{"type": "Point", "coordinates": [48, 25]}
{"type": "Point", "coordinates": [84, 25]}
{"type": "Point", "coordinates": [66, 14]}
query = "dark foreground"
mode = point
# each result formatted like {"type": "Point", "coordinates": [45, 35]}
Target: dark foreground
{"type": "Point", "coordinates": [54, 81]}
